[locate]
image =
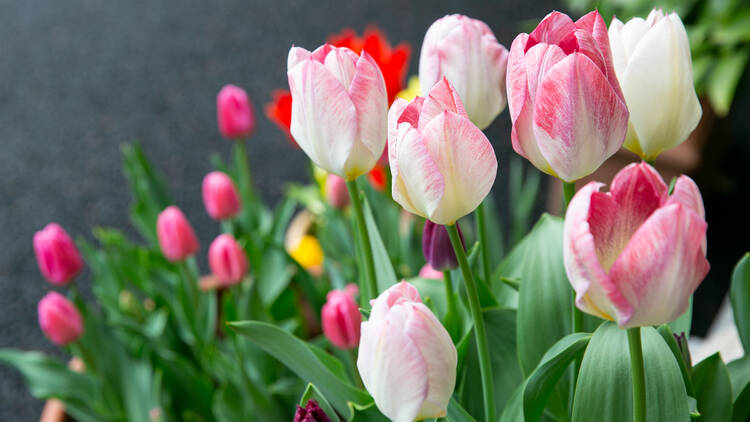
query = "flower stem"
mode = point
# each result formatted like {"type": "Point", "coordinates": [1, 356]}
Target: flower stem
{"type": "Point", "coordinates": [569, 189]}
{"type": "Point", "coordinates": [449, 296]}
{"type": "Point", "coordinates": [476, 313]}
{"type": "Point", "coordinates": [367, 287]}
{"type": "Point", "coordinates": [639, 380]}
{"type": "Point", "coordinates": [243, 167]}
{"type": "Point", "coordinates": [484, 247]}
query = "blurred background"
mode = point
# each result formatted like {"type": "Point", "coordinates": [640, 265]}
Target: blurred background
{"type": "Point", "coordinates": [80, 78]}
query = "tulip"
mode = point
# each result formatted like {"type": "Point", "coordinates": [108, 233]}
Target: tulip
{"type": "Point", "coordinates": [310, 413]}
{"type": "Point", "coordinates": [227, 260]}
{"type": "Point", "coordinates": [56, 254]}
{"type": "Point", "coordinates": [428, 272]}
{"type": "Point", "coordinates": [341, 319]}
{"type": "Point", "coordinates": [406, 357]}
{"type": "Point", "coordinates": [437, 248]}
{"type": "Point", "coordinates": [234, 113]}
{"type": "Point", "coordinates": [176, 237]}
{"type": "Point", "coordinates": [220, 196]}
{"type": "Point", "coordinates": [652, 61]}
{"type": "Point", "coordinates": [442, 165]}
{"type": "Point", "coordinates": [59, 319]}
{"type": "Point", "coordinates": [465, 51]}
{"type": "Point", "coordinates": [635, 254]}
{"type": "Point", "coordinates": [565, 103]}
{"type": "Point", "coordinates": [339, 107]}
{"type": "Point", "coordinates": [336, 192]}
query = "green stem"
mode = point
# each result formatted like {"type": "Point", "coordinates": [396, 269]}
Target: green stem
{"type": "Point", "coordinates": [479, 334]}
{"type": "Point", "coordinates": [243, 167]}
{"type": "Point", "coordinates": [639, 379]}
{"type": "Point", "coordinates": [569, 189]}
{"type": "Point", "coordinates": [651, 162]}
{"type": "Point", "coordinates": [367, 287]}
{"type": "Point", "coordinates": [484, 247]}
{"type": "Point", "coordinates": [449, 296]}
{"type": "Point", "coordinates": [355, 371]}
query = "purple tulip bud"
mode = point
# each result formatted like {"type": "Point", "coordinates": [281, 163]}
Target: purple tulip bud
{"type": "Point", "coordinates": [310, 413]}
{"type": "Point", "coordinates": [437, 248]}
{"type": "Point", "coordinates": [682, 343]}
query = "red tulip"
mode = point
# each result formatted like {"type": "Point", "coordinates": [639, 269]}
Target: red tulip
{"type": "Point", "coordinates": [176, 237]}
{"type": "Point", "coordinates": [341, 319]}
{"type": "Point", "coordinates": [220, 196]}
{"type": "Point", "coordinates": [56, 254]}
{"type": "Point", "coordinates": [59, 319]}
{"type": "Point", "coordinates": [227, 260]}
{"type": "Point", "coordinates": [234, 113]}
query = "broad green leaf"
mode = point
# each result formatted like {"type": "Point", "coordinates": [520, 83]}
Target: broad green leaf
{"type": "Point", "coordinates": [312, 393]}
{"type": "Point", "coordinates": [739, 294]}
{"type": "Point", "coordinates": [739, 375]}
{"type": "Point", "coordinates": [713, 390]}
{"type": "Point", "coordinates": [604, 391]}
{"type": "Point", "coordinates": [384, 273]}
{"type": "Point", "coordinates": [274, 275]}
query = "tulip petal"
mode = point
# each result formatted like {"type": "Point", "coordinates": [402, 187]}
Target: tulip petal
{"type": "Point", "coordinates": [595, 28]}
{"type": "Point", "coordinates": [341, 62]}
{"type": "Point", "coordinates": [442, 97]}
{"type": "Point", "coordinates": [539, 60]}
{"type": "Point", "coordinates": [524, 141]}
{"type": "Point", "coordinates": [426, 184]}
{"type": "Point", "coordinates": [296, 56]}
{"type": "Point", "coordinates": [638, 190]}
{"type": "Point", "coordinates": [623, 38]}
{"type": "Point", "coordinates": [515, 78]}
{"type": "Point", "coordinates": [687, 193]}
{"type": "Point", "coordinates": [556, 28]}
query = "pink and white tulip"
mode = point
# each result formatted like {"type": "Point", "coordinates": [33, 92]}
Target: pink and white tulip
{"type": "Point", "coordinates": [442, 165]}
{"type": "Point", "coordinates": [234, 113]}
{"type": "Point", "coordinates": [59, 319]}
{"type": "Point", "coordinates": [56, 254]}
{"type": "Point", "coordinates": [176, 236]}
{"type": "Point", "coordinates": [567, 109]}
{"type": "Point", "coordinates": [406, 357]}
{"type": "Point", "coordinates": [339, 108]}
{"type": "Point", "coordinates": [341, 318]}
{"type": "Point", "coordinates": [466, 52]}
{"type": "Point", "coordinates": [635, 254]}
{"type": "Point", "coordinates": [220, 196]}
{"type": "Point", "coordinates": [227, 260]}
{"type": "Point", "coordinates": [653, 65]}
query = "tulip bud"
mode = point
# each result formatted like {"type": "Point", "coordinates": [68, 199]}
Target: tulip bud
{"type": "Point", "coordinates": [336, 192]}
{"type": "Point", "coordinates": [442, 165]}
{"type": "Point", "coordinates": [635, 254]}
{"type": "Point", "coordinates": [310, 413]}
{"type": "Point", "coordinates": [235, 113]}
{"type": "Point", "coordinates": [59, 319]}
{"type": "Point", "coordinates": [220, 196]}
{"type": "Point", "coordinates": [406, 357]}
{"type": "Point", "coordinates": [465, 51]}
{"type": "Point", "coordinates": [437, 248]}
{"type": "Point", "coordinates": [565, 103]}
{"type": "Point", "coordinates": [428, 272]}
{"type": "Point", "coordinates": [341, 319]}
{"type": "Point", "coordinates": [682, 344]}
{"type": "Point", "coordinates": [176, 237]}
{"type": "Point", "coordinates": [227, 260]}
{"type": "Point", "coordinates": [653, 65]}
{"type": "Point", "coordinates": [56, 254]}
{"type": "Point", "coordinates": [339, 108]}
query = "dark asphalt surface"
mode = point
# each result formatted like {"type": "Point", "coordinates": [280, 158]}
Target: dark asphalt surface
{"type": "Point", "coordinates": [79, 78]}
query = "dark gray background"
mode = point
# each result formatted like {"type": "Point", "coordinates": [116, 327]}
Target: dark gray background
{"type": "Point", "coordinates": [79, 78]}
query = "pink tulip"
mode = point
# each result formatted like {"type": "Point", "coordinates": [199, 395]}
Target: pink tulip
{"type": "Point", "coordinates": [336, 192]}
{"type": "Point", "coordinates": [176, 237]}
{"type": "Point", "coordinates": [59, 319]}
{"type": "Point", "coordinates": [341, 319]}
{"type": "Point", "coordinates": [56, 254]}
{"type": "Point", "coordinates": [220, 196]}
{"type": "Point", "coordinates": [635, 254]}
{"type": "Point", "coordinates": [406, 357]}
{"type": "Point", "coordinates": [227, 260]}
{"type": "Point", "coordinates": [465, 51]}
{"type": "Point", "coordinates": [339, 108]}
{"type": "Point", "coordinates": [234, 113]}
{"type": "Point", "coordinates": [428, 272]}
{"type": "Point", "coordinates": [442, 165]}
{"type": "Point", "coordinates": [568, 112]}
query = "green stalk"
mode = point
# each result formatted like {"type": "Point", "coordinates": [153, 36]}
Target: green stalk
{"type": "Point", "coordinates": [367, 287]}
{"type": "Point", "coordinates": [479, 334]}
{"type": "Point", "coordinates": [569, 190]}
{"type": "Point", "coordinates": [243, 167]}
{"type": "Point", "coordinates": [449, 296]}
{"type": "Point", "coordinates": [483, 246]}
{"type": "Point", "coordinates": [639, 379]}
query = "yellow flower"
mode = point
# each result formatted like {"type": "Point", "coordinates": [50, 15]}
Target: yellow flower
{"type": "Point", "coordinates": [412, 89]}
{"type": "Point", "coordinates": [308, 253]}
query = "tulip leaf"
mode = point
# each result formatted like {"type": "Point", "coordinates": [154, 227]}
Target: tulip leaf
{"type": "Point", "coordinates": [384, 273]}
{"type": "Point", "coordinates": [668, 336]}
{"type": "Point", "coordinates": [739, 375]}
{"type": "Point", "coordinates": [298, 357]}
{"type": "Point", "coordinates": [604, 390]}
{"type": "Point", "coordinates": [456, 413]}
{"type": "Point", "coordinates": [312, 393]}
{"type": "Point", "coordinates": [713, 389]}
{"type": "Point", "coordinates": [739, 294]}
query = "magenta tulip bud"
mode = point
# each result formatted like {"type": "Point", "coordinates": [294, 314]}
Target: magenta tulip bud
{"type": "Point", "coordinates": [220, 196]}
{"type": "Point", "coordinates": [336, 192]}
{"type": "Point", "coordinates": [227, 260]}
{"type": "Point", "coordinates": [437, 248]}
{"type": "Point", "coordinates": [59, 319]}
{"type": "Point", "coordinates": [635, 254]}
{"type": "Point", "coordinates": [341, 319]}
{"type": "Point", "coordinates": [235, 113]}
{"type": "Point", "coordinates": [176, 237]}
{"type": "Point", "coordinates": [310, 413]}
{"type": "Point", "coordinates": [56, 254]}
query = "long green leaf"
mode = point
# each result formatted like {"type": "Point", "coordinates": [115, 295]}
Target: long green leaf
{"type": "Point", "coordinates": [713, 390]}
{"type": "Point", "coordinates": [384, 273]}
{"type": "Point", "coordinates": [739, 375]}
{"type": "Point", "coordinates": [739, 294]}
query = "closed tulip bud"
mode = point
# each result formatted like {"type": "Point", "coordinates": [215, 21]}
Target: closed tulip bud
{"type": "Point", "coordinates": [341, 319]}
{"type": "Point", "coordinates": [220, 196]}
{"type": "Point", "coordinates": [235, 113]}
{"type": "Point", "coordinates": [465, 51]}
{"type": "Point", "coordinates": [59, 319]}
{"type": "Point", "coordinates": [437, 248]}
{"type": "Point", "coordinates": [227, 260]}
{"type": "Point", "coordinates": [56, 254]}
{"type": "Point", "coordinates": [176, 237]}
{"type": "Point", "coordinates": [635, 254]}
{"type": "Point", "coordinates": [406, 357]}
{"type": "Point", "coordinates": [682, 344]}
{"type": "Point", "coordinates": [336, 192]}
{"type": "Point", "coordinates": [310, 413]}
{"type": "Point", "coordinates": [653, 65]}
{"type": "Point", "coordinates": [567, 109]}
{"type": "Point", "coordinates": [339, 108]}
{"type": "Point", "coordinates": [442, 165]}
